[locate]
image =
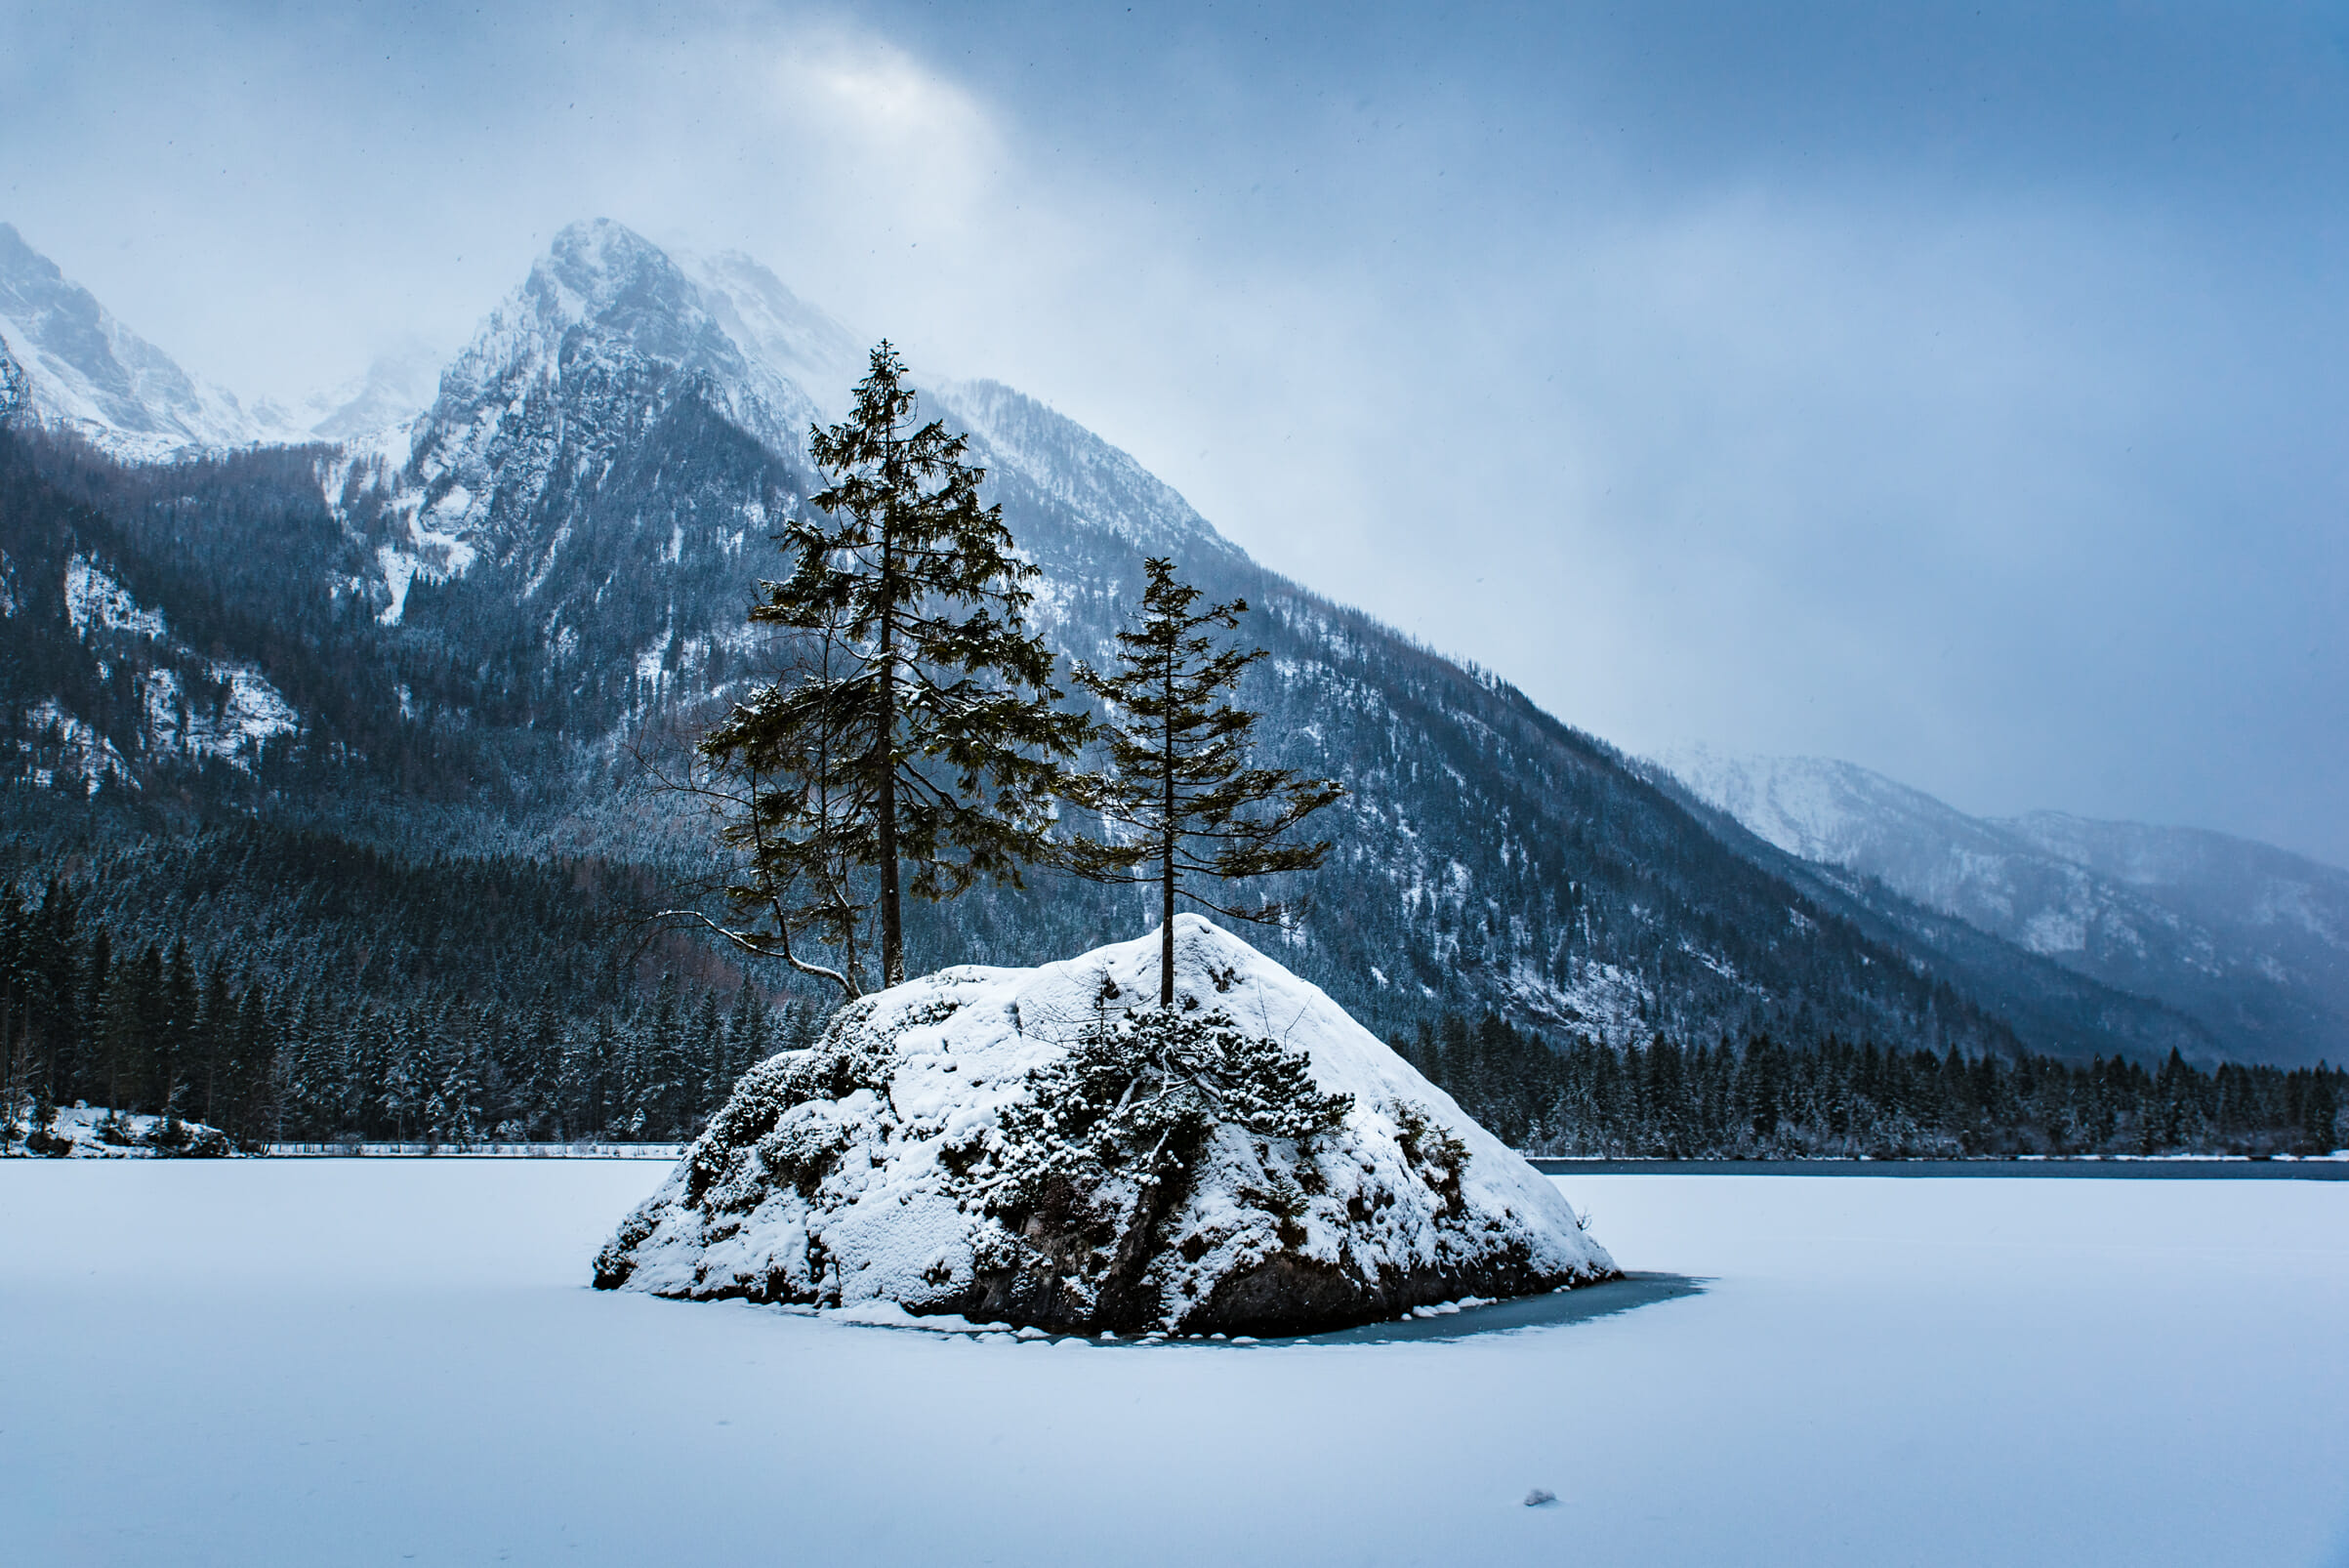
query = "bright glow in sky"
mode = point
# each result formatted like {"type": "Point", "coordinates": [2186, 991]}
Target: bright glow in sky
{"type": "Point", "coordinates": [1956, 392]}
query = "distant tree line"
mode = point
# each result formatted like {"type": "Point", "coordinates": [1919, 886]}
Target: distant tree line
{"type": "Point", "coordinates": [1765, 1100]}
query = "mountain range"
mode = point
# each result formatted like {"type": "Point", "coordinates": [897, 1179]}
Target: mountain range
{"type": "Point", "coordinates": [459, 626]}
{"type": "Point", "coordinates": [95, 378]}
{"type": "Point", "coordinates": [2248, 940]}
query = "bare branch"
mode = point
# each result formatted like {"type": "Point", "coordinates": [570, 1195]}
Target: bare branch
{"type": "Point", "coordinates": [758, 944]}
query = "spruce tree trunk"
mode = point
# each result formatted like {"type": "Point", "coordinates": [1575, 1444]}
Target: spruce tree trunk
{"type": "Point", "coordinates": [1166, 852]}
{"type": "Point", "coordinates": [893, 933]}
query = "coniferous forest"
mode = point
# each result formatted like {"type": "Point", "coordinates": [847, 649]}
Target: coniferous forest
{"type": "Point", "coordinates": [1762, 1099]}
{"type": "Point", "coordinates": [295, 987]}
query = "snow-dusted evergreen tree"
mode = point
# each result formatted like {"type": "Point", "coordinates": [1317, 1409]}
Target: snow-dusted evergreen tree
{"type": "Point", "coordinates": [453, 1110]}
{"type": "Point", "coordinates": [1180, 800]}
{"type": "Point", "coordinates": [130, 1019]}
{"type": "Point", "coordinates": [404, 1090]}
{"type": "Point", "coordinates": [216, 1034]}
{"type": "Point", "coordinates": [175, 1042]}
{"type": "Point", "coordinates": [746, 1039]}
{"type": "Point", "coordinates": [589, 1069]}
{"type": "Point", "coordinates": [247, 1101]}
{"type": "Point", "coordinates": [543, 1081]}
{"type": "Point", "coordinates": [925, 734]}
{"type": "Point", "coordinates": [705, 1062]}
{"type": "Point", "coordinates": [319, 1065]}
{"type": "Point", "coordinates": [661, 1058]}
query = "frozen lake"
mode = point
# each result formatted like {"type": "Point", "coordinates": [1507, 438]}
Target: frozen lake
{"type": "Point", "coordinates": [389, 1361]}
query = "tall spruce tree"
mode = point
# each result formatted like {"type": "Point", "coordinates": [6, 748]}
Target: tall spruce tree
{"type": "Point", "coordinates": [922, 730]}
{"type": "Point", "coordinates": [1179, 798]}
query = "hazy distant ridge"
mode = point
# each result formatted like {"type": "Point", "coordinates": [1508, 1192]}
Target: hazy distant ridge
{"type": "Point", "coordinates": [2250, 939]}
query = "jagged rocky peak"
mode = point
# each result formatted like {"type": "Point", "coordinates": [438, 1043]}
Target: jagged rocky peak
{"type": "Point", "coordinates": [606, 331]}
{"type": "Point", "coordinates": [569, 380]}
{"type": "Point", "coordinates": [599, 291]}
{"type": "Point", "coordinates": [1050, 1147]}
{"type": "Point", "coordinates": [607, 273]}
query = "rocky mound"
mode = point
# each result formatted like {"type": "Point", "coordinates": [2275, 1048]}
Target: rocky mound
{"type": "Point", "coordinates": [1049, 1146]}
{"type": "Point", "coordinates": [95, 1132]}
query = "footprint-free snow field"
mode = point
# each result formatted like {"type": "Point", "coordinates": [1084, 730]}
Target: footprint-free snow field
{"type": "Point", "coordinates": [390, 1361]}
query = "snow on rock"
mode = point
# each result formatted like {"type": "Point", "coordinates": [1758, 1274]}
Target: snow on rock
{"type": "Point", "coordinates": [1049, 1147]}
{"type": "Point", "coordinates": [233, 720]}
{"type": "Point", "coordinates": [200, 708]}
{"type": "Point", "coordinates": [63, 743]}
{"type": "Point", "coordinates": [93, 598]}
{"type": "Point", "coordinates": [603, 340]}
{"type": "Point", "coordinates": [802, 348]}
{"type": "Point", "coordinates": [95, 1132]}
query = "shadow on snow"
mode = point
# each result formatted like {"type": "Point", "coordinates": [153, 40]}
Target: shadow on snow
{"type": "Point", "coordinates": [1558, 1307]}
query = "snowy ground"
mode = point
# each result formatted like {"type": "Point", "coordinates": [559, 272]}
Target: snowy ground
{"type": "Point", "coordinates": [279, 1361]}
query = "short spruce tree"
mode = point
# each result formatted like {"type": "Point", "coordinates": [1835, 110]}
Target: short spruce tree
{"type": "Point", "coordinates": [1179, 799]}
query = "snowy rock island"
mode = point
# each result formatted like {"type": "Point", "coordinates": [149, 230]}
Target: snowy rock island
{"type": "Point", "coordinates": [1050, 1147]}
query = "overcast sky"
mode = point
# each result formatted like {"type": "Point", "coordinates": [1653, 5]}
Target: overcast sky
{"type": "Point", "coordinates": [1960, 392]}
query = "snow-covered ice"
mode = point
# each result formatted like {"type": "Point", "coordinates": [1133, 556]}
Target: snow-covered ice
{"type": "Point", "coordinates": [306, 1361]}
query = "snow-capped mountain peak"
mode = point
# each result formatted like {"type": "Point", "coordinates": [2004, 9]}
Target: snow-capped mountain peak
{"type": "Point", "coordinates": [92, 375]}
{"type": "Point", "coordinates": [600, 290]}
{"type": "Point", "coordinates": [610, 336]}
{"type": "Point", "coordinates": [602, 343]}
{"type": "Point", "coordinates": [607, 273]}
{"type": "Point", "coordinates": [601, 307]}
